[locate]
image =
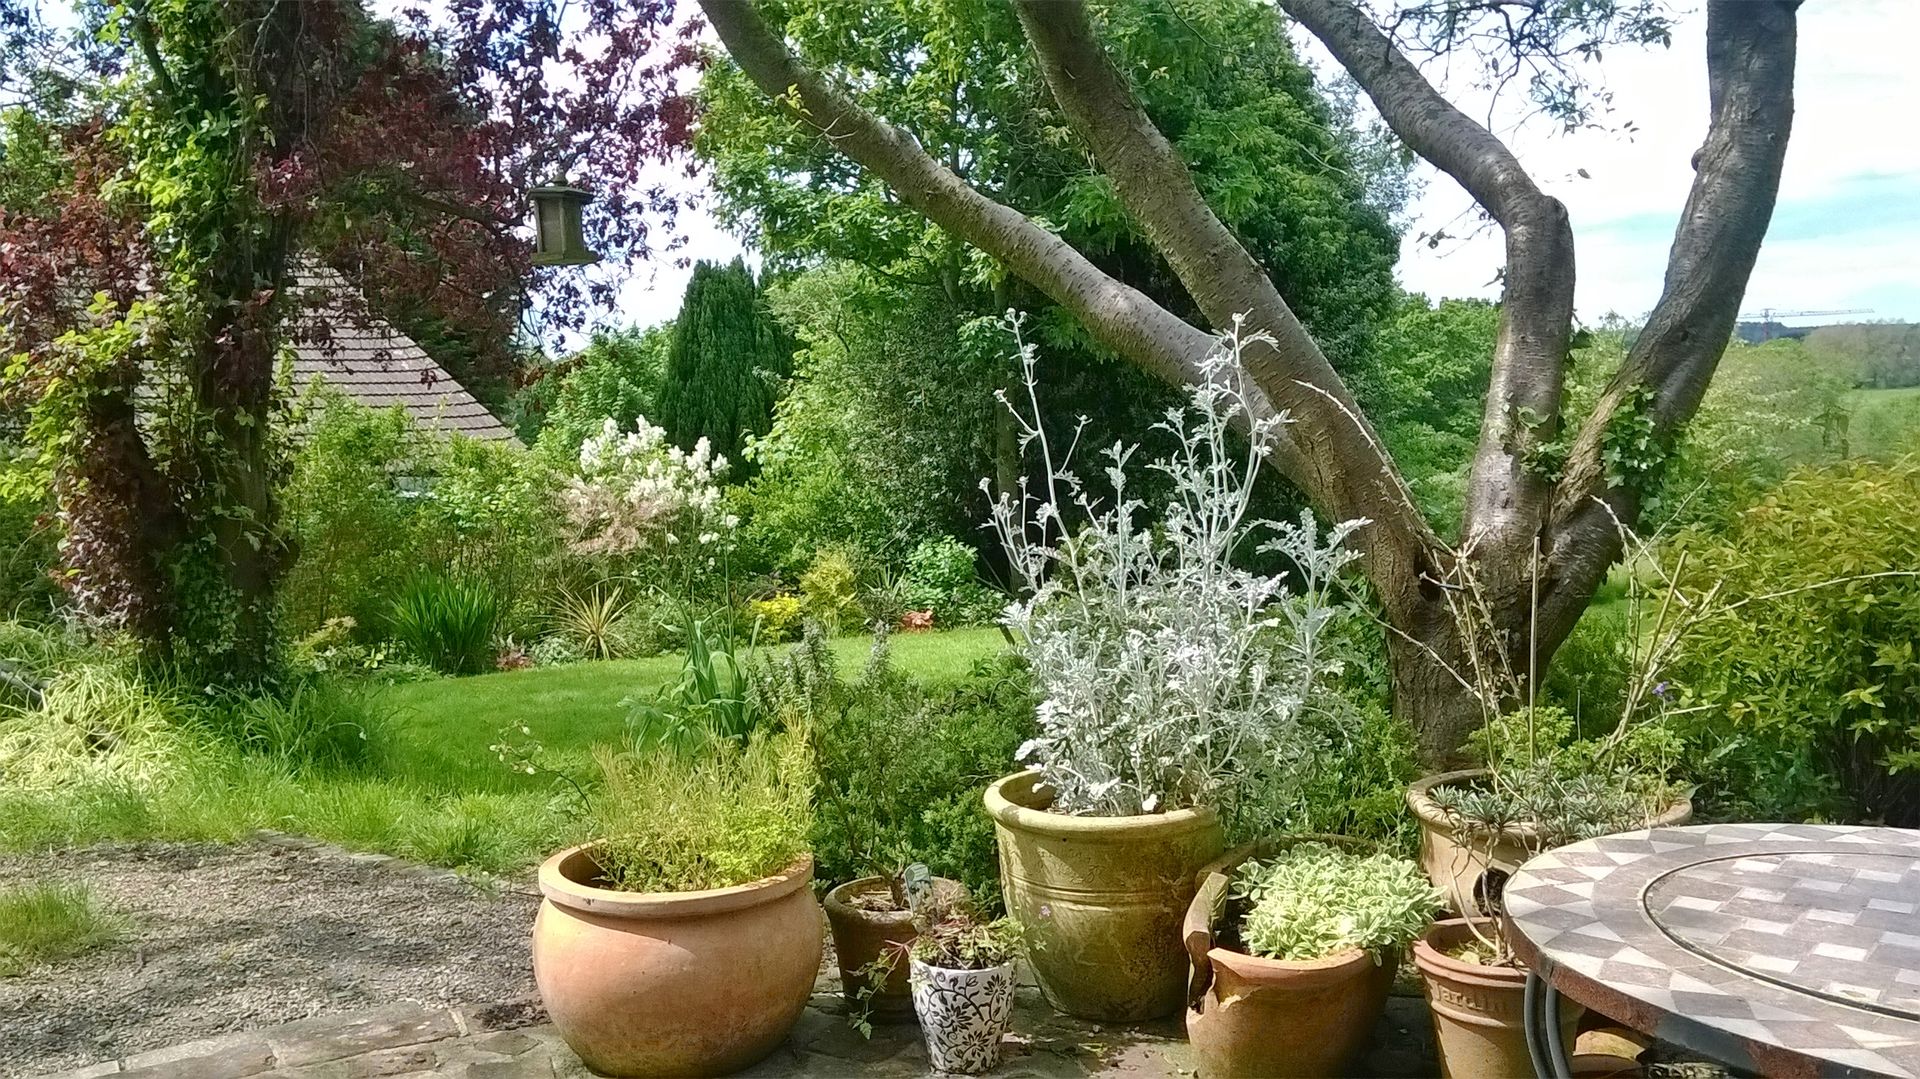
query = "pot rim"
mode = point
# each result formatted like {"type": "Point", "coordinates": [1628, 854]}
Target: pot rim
{"type": "Point", "coordinates": [1328, 968]}
{"type": "Point", "coordinates": [559, 884]}
{"type": "Point", "coordinates": [1005, 968]}
{"type": "Point", "coordinates": [1420, 800]}
{"type": "Point", "coordinates": [837, 905]}
{"type": "Point", "coordinates": [1435, 963]}
{"type": "Point", "coordinates": [1013, 802]}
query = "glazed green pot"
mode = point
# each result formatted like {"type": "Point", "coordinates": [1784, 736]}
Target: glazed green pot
{"type": "Point", "coordinates": [1101, 899]}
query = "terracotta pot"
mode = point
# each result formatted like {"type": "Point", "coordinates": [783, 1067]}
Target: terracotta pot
{"type": "Point", "coordinates": [673, 983]}
{"type": "Point", "coordinates": [1477, 1010]}
{"type": "Point", "coordinates": [1255, 1017]}
{"type": "Point", "coordinates": [1455, 865]}
{"type": "Point", "coordinates": [963, 1015]}
{"type": "Point", "coordinates": [862, 936]}
{"type": "Point", "coordinates": [1101, 899]}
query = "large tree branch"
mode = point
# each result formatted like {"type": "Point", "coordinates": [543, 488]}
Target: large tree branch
{"type": "Point", "coordinates": [1118, 315]}
{"type": "Point", "coordinates": [1750, 61]}
{"type": "Point", "coordinates": [1343, 466]}
{"type": "Point", "coordinates": [1506, 501]}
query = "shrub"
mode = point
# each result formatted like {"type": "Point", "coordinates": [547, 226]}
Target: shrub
{"type": "Point", "coordinates": [1168, 674]}
{"type": "Point", "coordinates": [734, 813]}
{"type": "Point", "coordinates": [447, 622]}
{"type": "Point", "coordinates": [940, 577]}
{"type": "Point", "coordinates": [45, 921]}
{"type": "Point", "coordinates": [1590, 672]}
{"type": "Point", "coordinates": [27, 548]}
{"type": "Point", "coordinates": [777, 617]}
{"type": "Point", "coordinates": [1313, 901]}
{"type": "Point", "coordinates": [593, 622]}
{"type": "Point", "coordinates": [318, 724]}
{"type": "Point", "coordinates": [1807, 679]}
{"type": "Point", "coordinates": [1356, 787]}
{"type": "Point", "coordinates": [831, 587]}
{"type": "Point", "coordinates": [901, 765]}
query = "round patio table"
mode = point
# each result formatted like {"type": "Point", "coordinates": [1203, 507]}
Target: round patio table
{"type": "Point", "coordinates": [1777, 949]}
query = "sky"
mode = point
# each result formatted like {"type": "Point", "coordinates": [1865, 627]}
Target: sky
{"type": "Point", "coordinates": [1845, 233]}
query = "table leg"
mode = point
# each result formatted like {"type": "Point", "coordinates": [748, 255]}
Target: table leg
{"type": "Point", "coordinates": [1540, 1020]}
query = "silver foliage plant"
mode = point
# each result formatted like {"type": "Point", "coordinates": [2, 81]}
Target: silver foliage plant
{"type": "Point", "coordinates": [1166, 673]}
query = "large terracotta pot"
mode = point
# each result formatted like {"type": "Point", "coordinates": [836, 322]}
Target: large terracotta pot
{"type": "Point", "coordinates": [1255, 1017]}
{"type": "Point", "coordinates": [862, 936]}
{"type": "Point", "coordinates": [1478, 1010]}
{"type": "Point", "coordinates": [1455, 863]}
{"type": "Point", "coordinates": [1101, 899]}
{"type": "Point", "coordinates": [673, 983]}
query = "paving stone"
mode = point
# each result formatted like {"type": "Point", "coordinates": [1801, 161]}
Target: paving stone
{"type": "Point", "coordinates": [508, 1043]}
{"type": "Point", "coordinates": [93, 1071]}
{"type": "Point", "coordinates": [312, 1041]}
{"type": "Point", "coordinates": [528, 1067]}
{"type": "Point", "coordinates": [236, 1061]}
{"type": "Point", "coordinates": [392, 1062]}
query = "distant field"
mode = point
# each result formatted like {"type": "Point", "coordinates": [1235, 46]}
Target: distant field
{"type": "Point", "coordinates": [1883, 422]}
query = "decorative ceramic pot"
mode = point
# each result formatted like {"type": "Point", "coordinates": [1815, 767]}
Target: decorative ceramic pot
{"type": "Point", "coordinates": [863, 937]}
{"type": "Point", "coordinates": [1455, 865]}
{"type": "Point", "coordinates": [1256, 1017]}
{"type": "Point", "coordinates": [673, 983]}
{"type": "Point", "coordinates": [963, 1014]}
{"type": "Point", "coordinates": [1477, 1009]}
{"type": "Point", "coordinates": [1101, 899]}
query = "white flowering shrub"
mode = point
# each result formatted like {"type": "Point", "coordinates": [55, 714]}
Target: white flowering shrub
{"type": "Point", "coordinates": [1166, 672]}
{"type": "Point", "coordinates": [637, 493]}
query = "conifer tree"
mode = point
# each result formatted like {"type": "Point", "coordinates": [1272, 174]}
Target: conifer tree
{"type": "Point", "coordinates": [725, 365]}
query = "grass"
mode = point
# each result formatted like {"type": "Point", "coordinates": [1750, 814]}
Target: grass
{"type": "Point", "coordinates": [429, 788]}
{"type": "Point", "coordinates": [44, 921]}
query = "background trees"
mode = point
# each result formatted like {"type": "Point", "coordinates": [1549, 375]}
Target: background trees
{"type": "Point", "coordinates": [1541, 480]}
{"type": "Point", "coordinates": [725, 363]}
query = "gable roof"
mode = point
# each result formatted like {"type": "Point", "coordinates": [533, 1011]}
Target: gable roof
{"type": "Point", "coordinates": [336, 338]}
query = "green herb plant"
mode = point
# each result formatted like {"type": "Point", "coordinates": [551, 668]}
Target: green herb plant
{"type": "Point", "coordinates": [1313, 901]}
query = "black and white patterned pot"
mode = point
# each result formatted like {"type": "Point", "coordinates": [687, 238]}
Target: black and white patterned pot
{"type": "Point", "coordinates": [963, 1013]}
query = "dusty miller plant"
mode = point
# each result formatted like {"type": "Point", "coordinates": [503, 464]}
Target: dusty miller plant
{"type": "Point", "coordinates": [1166, 671]}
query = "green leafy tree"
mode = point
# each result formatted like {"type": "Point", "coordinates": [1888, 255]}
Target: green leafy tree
{"type": "Point", "coordinates": [617, 376]}
{"type": "Point", "coordinates": [1423, 386]}
{"type": "Point", "coordinates": [726, 363]}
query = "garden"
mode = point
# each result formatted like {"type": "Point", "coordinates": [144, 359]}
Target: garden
{"type": "Point", "coordinates": [989, 634]}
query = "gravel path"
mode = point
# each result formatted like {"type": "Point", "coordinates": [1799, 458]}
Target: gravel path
{"type": "Point", "coordinates": [232, 938]}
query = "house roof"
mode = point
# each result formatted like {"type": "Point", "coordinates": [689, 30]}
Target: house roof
{"type": "Point", "coordinates": [337, 339]}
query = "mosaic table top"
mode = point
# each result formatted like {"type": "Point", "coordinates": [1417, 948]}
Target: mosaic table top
{"type": "Point", "coordinates": [1785, 949]}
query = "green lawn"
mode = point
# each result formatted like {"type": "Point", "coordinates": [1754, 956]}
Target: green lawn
{"type": "Point", "coordinates": [447, 725]}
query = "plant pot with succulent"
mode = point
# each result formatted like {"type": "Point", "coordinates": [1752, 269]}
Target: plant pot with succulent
{"type": "Point", "coordinates": [1170, 679]}
{"type": "Point", "coordinates": [685, 940]}
{"type": "Point", "coordinates": [1293, 955]}
{"type": "Point", "coordinates": [961, 970]}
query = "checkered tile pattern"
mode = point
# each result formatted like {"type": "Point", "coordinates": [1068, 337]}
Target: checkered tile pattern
{"type": "Point", "coordinates": [1777, 948]}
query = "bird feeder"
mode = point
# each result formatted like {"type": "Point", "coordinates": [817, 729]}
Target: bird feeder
{"type": "Point", "coordinates": [557, 238]}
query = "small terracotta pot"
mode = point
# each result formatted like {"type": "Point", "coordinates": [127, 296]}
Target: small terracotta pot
{"type": "Point", "coordinates": [1101, 899]}
{"type": "Point", "coordinates": [1477, 1009]}
{"type": "Point", "coordinates": [1250, 1016]}
{"type": "Point", "coordinates": [1455, 864]}
{"type": "Point", "coordinates": [673, 983]}
{"type": "Point", "coordinates": [861, 937]}
{"type": "Point", "coordinates": [963, 1015]}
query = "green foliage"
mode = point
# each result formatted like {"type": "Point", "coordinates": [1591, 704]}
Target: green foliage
{"type": "Point", "coordinates": [831, 587]}
{"type": "Point", "coordinates": [1357, 786]}
{"type": "Point", "coordinates": [940, 577]}
{"type": "Point", "coordinates": [736, 813]}
{"type": "Point", "coordinates": [1423, 386]}
{"type": "Point", "coordinates": [1313, 901]}
{"type": "Point", "coordinates": [1806, 677]}
{"type": "Point", "coordinates": [777, 617]}
{"type": "Point", "coordinates": [97, 722]}
{"type": "Point", "coordinates": [448, 622]}
{"type": "Point", "coordinates": [1590, 672]}
{"type": "Point", "coordinates": [45, 921]}
{"type": "Point", "coordinates": [902, 762]}
{"type": "Point", "coordinates": [618, 376]}
{"type": "Point", "coordinates": [726, 363]}
{"type": "Point", "coordinates": [710, 701]}
{"type": "Point", "coordinates": [594, 622]}
{"type": "Point", "coordinates": [317, 724]}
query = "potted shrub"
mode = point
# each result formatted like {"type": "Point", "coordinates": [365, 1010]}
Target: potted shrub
{"type": "Point", "coordinates": [962, 977]}
{"type": "Point", "coordinates": [1293, 956]}
{"type": "Point", "coordinates": [1168, 676]}
{"type": "Point", "coordinates": [686, 939]}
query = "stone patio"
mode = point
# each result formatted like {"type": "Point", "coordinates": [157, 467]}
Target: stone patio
{"type": "Point", "coordinates": [510, 1041]}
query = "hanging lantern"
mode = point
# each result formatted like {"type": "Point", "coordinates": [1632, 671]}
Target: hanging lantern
{"type": "Point", "coordinates": [557, 239]}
